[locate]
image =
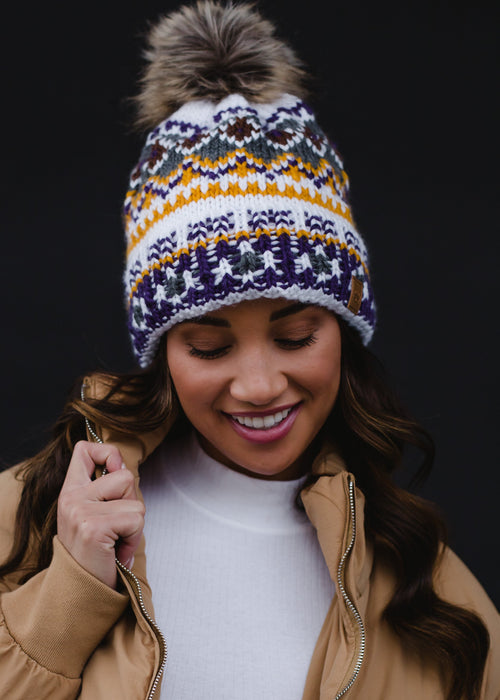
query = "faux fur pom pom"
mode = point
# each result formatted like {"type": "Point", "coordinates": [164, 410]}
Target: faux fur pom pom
{"type": "Point", "coordinates": [210, 50]}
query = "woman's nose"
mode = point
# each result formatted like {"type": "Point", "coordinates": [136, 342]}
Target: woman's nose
{"type": "Point", "coordinates": [258, 379]}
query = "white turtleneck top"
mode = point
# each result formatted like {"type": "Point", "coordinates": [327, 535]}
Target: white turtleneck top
{"type": "Point", "coordinates": [240, 587]}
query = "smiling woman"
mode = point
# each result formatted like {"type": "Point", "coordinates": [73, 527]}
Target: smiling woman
{"type": "Point", "coordinates": [236, 490]}
{"type": "Point", "coordinates": [257, 382]}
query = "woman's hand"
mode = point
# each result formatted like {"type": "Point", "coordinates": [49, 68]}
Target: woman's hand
{"type": "Point", "coordinates": [98, 520]}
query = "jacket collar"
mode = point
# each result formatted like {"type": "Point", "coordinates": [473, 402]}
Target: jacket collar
{"type": "Point", "coordinates": [134, 449]}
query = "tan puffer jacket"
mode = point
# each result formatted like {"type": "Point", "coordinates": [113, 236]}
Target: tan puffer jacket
{"type": "Point", "coordinates": [64, 634]}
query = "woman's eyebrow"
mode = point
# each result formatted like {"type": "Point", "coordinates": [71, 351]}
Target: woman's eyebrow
{"type": "Point", "coordinates": [209, 321]}
{"type": "Point", "coordinates": [224, 323]}
{"type": "Point", "coordinates": [288, 310]}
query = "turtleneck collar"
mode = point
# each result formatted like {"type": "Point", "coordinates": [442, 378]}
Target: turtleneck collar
{"type": "Point", "coordinates": [258, 504]}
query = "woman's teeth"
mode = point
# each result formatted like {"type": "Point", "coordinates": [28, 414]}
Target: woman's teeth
{"type": "Point", "coordinates": [262, 421]}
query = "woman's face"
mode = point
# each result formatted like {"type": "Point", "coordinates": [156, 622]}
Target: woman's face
{"type": "Point", "coordinates": [257, 381]}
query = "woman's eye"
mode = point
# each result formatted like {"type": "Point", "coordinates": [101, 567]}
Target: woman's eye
{"type": "Point", "coordinates": [208, 354]}
{"type": "Point", "coordinates": [291, 344]}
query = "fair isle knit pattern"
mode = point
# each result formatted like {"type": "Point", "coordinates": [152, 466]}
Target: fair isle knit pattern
{"type": "Point", "coordinates": [236, 201]}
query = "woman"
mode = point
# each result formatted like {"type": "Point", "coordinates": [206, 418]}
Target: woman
{"type": "Point", "coordinates": [281, 559]}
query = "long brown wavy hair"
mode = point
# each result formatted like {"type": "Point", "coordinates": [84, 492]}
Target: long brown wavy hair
{"type": "Point", "coordinates": [372, 431]}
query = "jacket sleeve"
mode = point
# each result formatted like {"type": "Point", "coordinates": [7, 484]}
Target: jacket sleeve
{"type": "Point", "coordinates": [457, 584]}
{"type": "Point", "coordinates": [50, 626]}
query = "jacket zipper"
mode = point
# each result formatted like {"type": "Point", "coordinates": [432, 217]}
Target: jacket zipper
{"type": "Point", "coordinates": [350, 605]}
{"type": "Point", "coordinates": [134, 582]}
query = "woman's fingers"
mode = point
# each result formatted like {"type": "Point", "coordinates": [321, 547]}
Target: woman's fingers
{"type": "Point", "coordinates": [86, 455]}
{"type": "Point", "coordinates": [94, 517]}
{"type": "Point", "coordinates": [100, 528]}
{"type": "Point", "coordinates": [113, 486]}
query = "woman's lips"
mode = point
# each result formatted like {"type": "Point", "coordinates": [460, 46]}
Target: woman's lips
{"type": "Point", "coordinates": [265, 426]}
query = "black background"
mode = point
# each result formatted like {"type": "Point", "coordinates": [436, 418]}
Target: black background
{"type": "Point", "coordinates": [409, 93]}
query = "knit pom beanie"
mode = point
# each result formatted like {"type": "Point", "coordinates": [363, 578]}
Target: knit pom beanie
{"type": "Point", "coordinates": [238, 193]}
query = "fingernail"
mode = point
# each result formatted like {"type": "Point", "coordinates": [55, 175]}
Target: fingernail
{"type": "Point", "coordinates": [131, 563]}
{"type": "Point", "coordinates": [124, 466]}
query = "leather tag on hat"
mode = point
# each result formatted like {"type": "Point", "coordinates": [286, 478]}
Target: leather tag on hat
{"type": "Point", "coordinates": [356, 297]}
